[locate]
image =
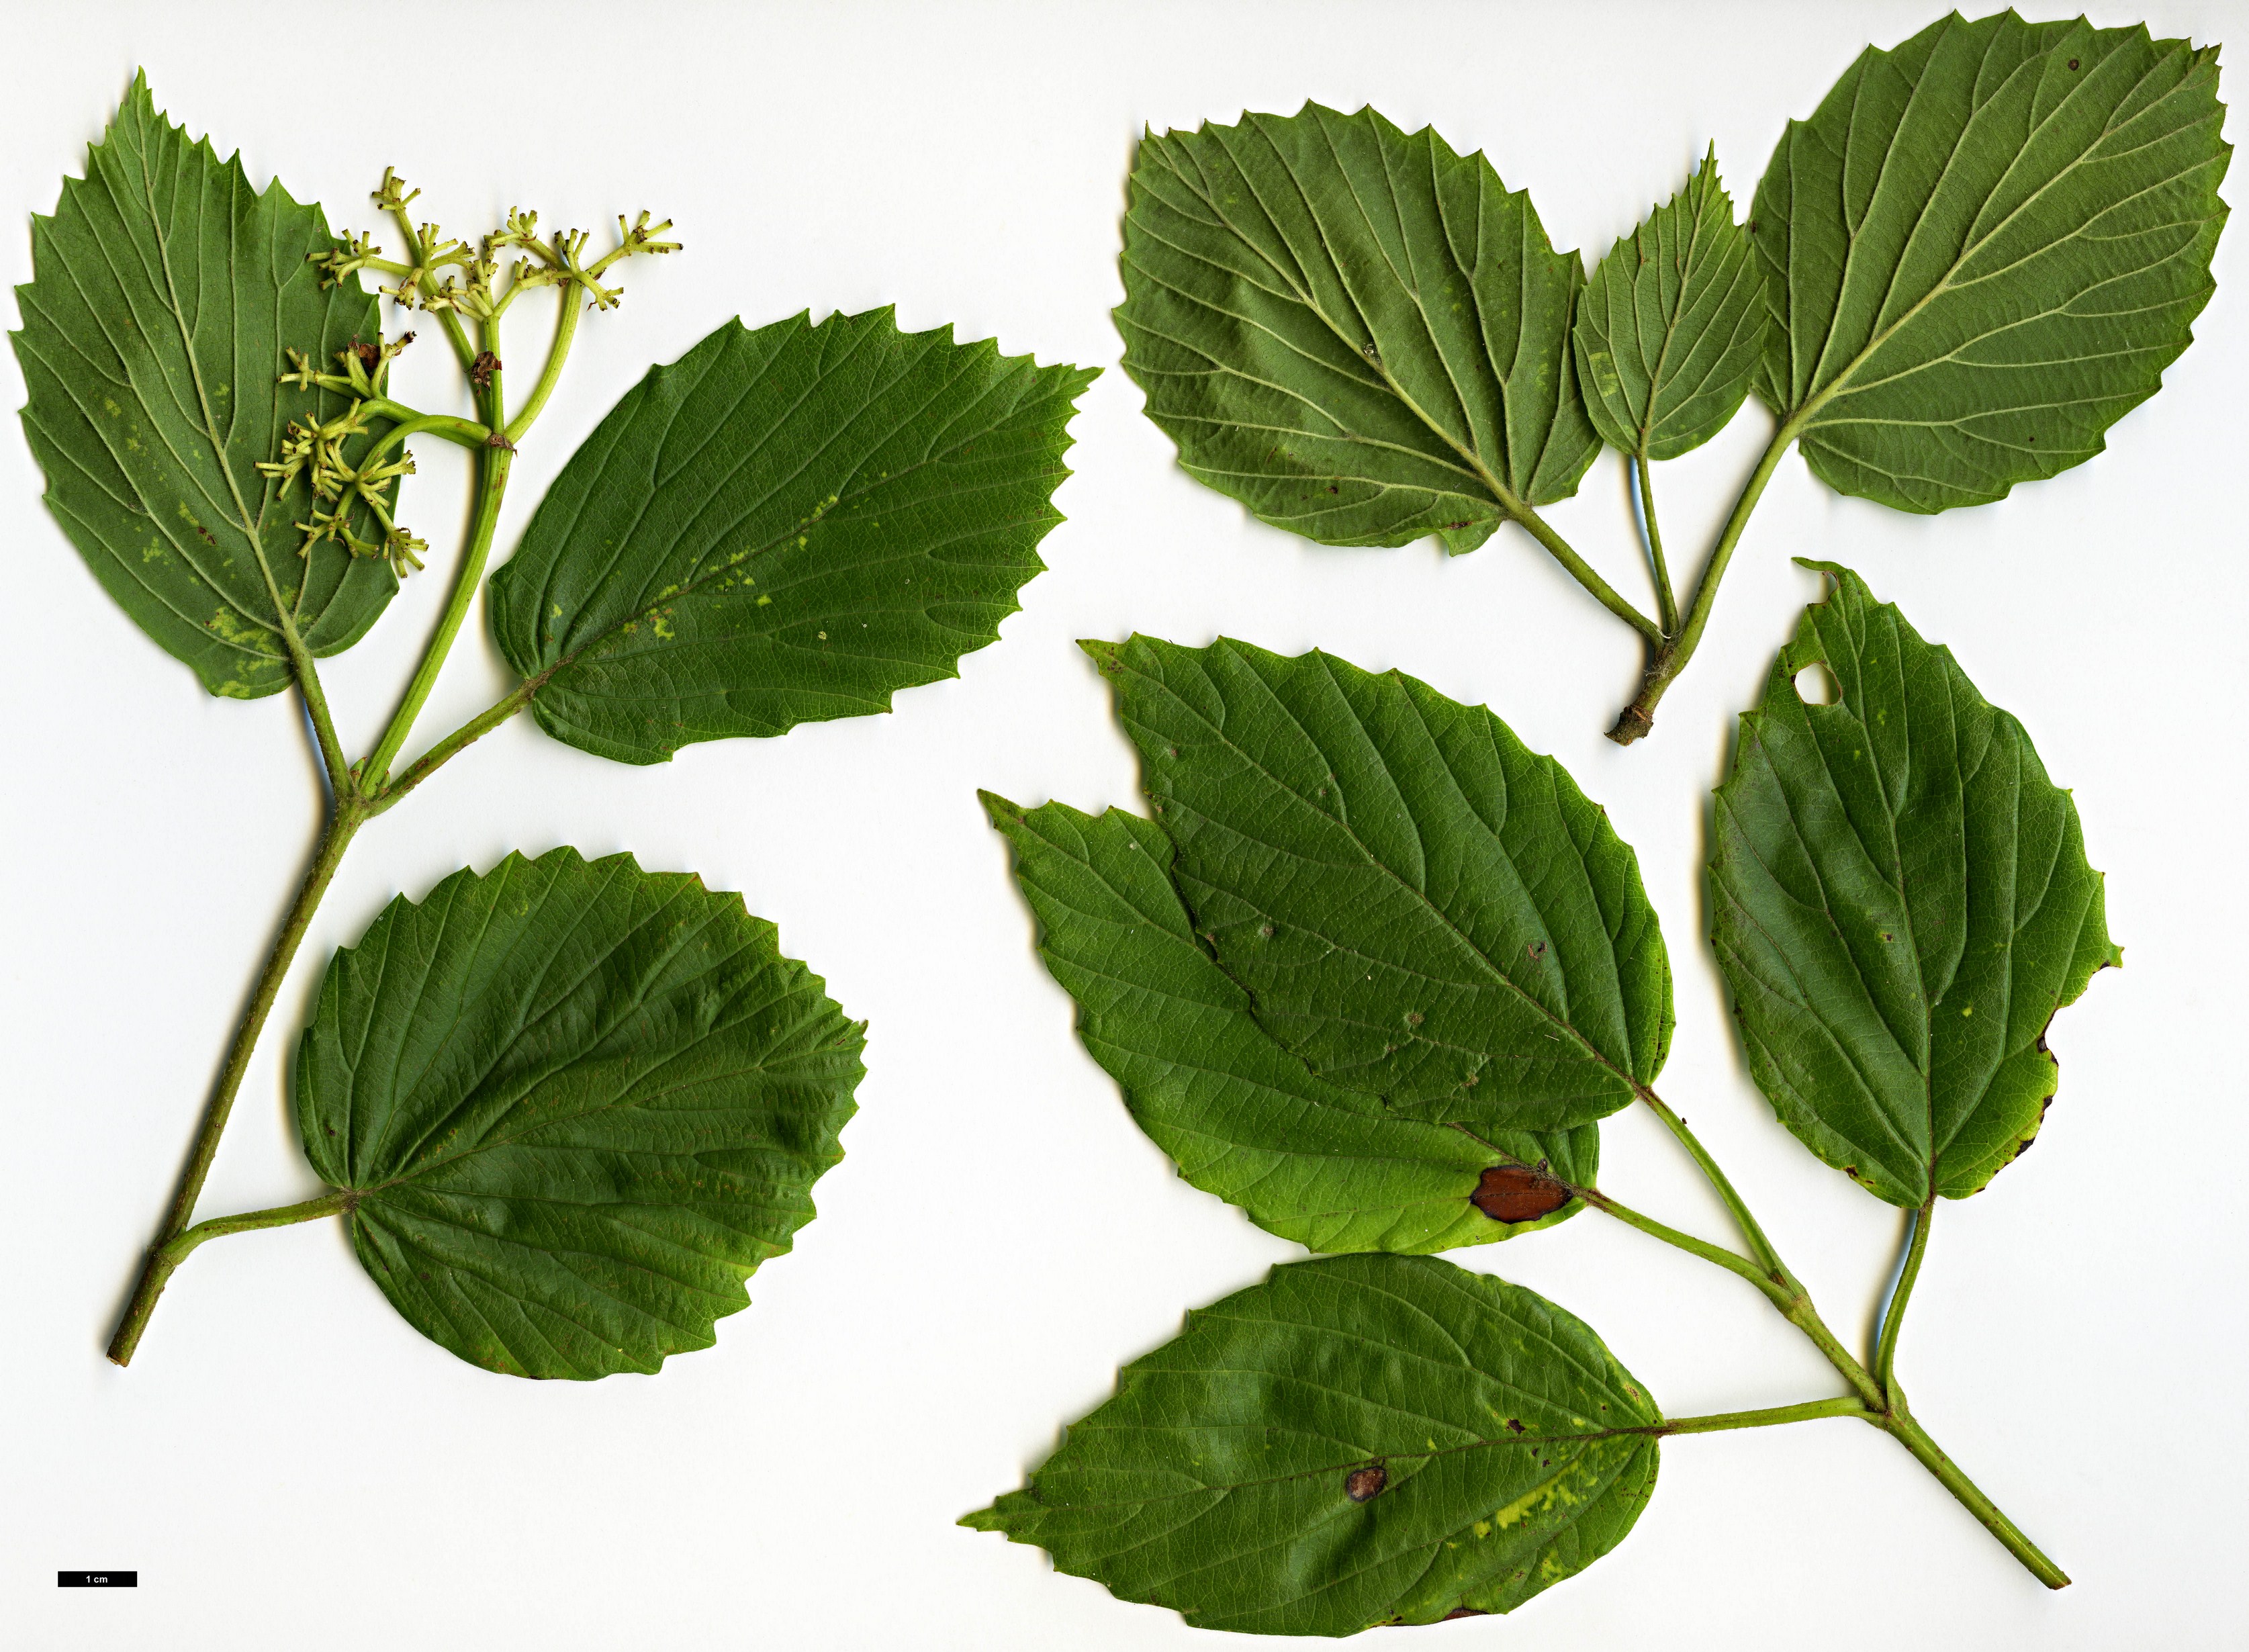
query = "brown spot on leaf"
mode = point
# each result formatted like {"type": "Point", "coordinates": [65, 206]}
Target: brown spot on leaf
{"type": "Point", "coordinates": [1537, 949]}
{"type": "Point", "coordinates": [2072, 63]}
{"type": "Point", "coordinates": [1516, 1193]}
{"type": "Point", "coordinates": [1362, 1483]}
{"type": "Point", "coordinates": [1464, 1611]}
{"type": "Point", "coordinates": [370, 355]}
{"type": "Point", "coordinates": [1516, 1423]}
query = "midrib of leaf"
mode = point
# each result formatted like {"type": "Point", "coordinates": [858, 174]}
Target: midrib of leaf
{"type": "Point", "coordinates": [1683, 263]}
{"type": "Point", "coordinates": [1930, 1156]}
{"type": "Point", "coordinates": [696, 580]}
{"type": "Point", "coordinates": [1478, 471]}
{"type": "Point", "coordinates": [1651, 1430]}
{"type": "Point", "coordinates": [1800, 419]}
{"type": "Point", "coordinates": [1466, 945]}
{"type": "Point", "coordinates": [524, 1027]}
{"type": "Point", "coordinates": [1867, 1087]}
{"type": "Point", "coordinates": [249, 523]}
{"type": "Point", "coordinates": [711, 434]}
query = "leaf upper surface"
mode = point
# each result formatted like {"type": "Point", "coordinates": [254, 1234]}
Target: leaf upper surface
{"type": "Point", "coordinates": [580, 1103]}
{"type": "Point", "coordinates": [1361, 335]}
{"type": "Point", "coordinates": [1903, 902]}
{"type": "Point", "coordinates": [1329, 1167]}
{"type": "Point", "coordinates": [1983, 248]}
{"type": "Point", "coordinates": [1672, 325]}
{"type": "Point", "coordinates": [1417, 906]}
{"type": "Point", "coordinates": [165, 292]}
{"type": "Point", "coordinates": [1229, 1476]}
{"type": "Point", "coordinates": [788, 524]}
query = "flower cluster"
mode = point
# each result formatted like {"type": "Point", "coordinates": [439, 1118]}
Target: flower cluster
{"type": "Point", "coordinates": [443, 274]}
{"type": "Point", "coordinates": [315, 450]}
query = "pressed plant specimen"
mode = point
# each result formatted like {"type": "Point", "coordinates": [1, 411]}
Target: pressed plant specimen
{"type": "Point", "coordinates": [1373, 972]}
{"type": "Point", "coordinates": [566, 1107]}
{"type": "Point", "coordinates": [1982, 250]}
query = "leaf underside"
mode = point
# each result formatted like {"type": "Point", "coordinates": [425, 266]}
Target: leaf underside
{"type": "Point", "coordinates": [1983, 248]}
{"type": "Point", "coordinates": [1361, 335]}
{"type": "Point", "coordinates": [580, 1103]}
{"type": "Point", "coordinates": [1357, 1441]}
{"type": "Point", "coordinates": [787, 525]}
{"type": "Point", "coordinates": [1329, 1167]}
{"type": "Point", "coordinates": [1903, 902]}
{"type": "Point", "coordinates": [164, 293]}
{"type": "Point", "coordinates": [1672, 325]}
{"type": "Point", "coordinates": [1415, 906]}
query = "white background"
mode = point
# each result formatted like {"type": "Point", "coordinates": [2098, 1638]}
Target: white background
{"type": "Point", "coordinates": [286, 1463]}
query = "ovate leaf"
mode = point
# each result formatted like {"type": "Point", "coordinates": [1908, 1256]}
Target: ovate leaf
{"type": "Point", "coordinates": [1361, 335]}
{"type": "Point", "coordinates": [1357, 1441]}
{"type": "Point", "coordinates": [578, 1103]}
{"type": "Point", "coordinates": [1329, 1167]}
{"type": "Point", "coordinates": [1984, 248]}
{"type": "Point", "coordinates": [1903, 902]}
{"type": "Point", "coordinates": [785, 525]}
{"type": "Point", "coordinates": [1418, 907]}
{"type": "Point", "coordinates": [1672, 325]}
{"type": "Point", "coordinates": [165, 292]}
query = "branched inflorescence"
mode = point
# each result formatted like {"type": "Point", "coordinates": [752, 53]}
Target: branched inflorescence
{"type": "Point", "coordinates": [448, 279]}
{"type": "Point", "coordinates": [447, 274]}
{"type": "Point", "coordinates": [315, 450]}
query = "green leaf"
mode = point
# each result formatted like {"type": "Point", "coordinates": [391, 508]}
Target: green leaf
{"type": "Point", "coordinates": [1672, 325]}
{"type": "Point", "coordinates": [1985, 247]}
{"type": "Point", "coordinates": [1357, 1441]}
{"type": "Point", "coordinates": [579, 1104]}
{"type": "Point", "coordinates": [1419, 908]}
{"type": "Point", "coordinates": [164, 293]}
{"type": "Point", "coordinates": [1332, 1169]}
{"type": "Point", "coordinates": [785, 525]}
{"type": "Point", "coordinates": [1361, 335]}
{"type": "Point", "coordinates": [1902, 903]}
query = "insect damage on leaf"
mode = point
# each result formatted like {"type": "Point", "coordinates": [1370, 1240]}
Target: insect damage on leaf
{"type": "Point", "coordinates": [1911, 808]}
{"type": "Point", "coordinates": [1209, 1482]}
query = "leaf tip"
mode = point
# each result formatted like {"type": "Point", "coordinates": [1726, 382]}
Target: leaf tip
{"type": "Point", "coordinates": [1002, 812]}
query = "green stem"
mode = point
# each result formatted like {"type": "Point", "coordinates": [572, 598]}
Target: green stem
{"type": "Point", "coordinates": [1718, 1256]}
{"type": "Point", "coordinates": [566, 329]}
{"type": "Point", "coordinates": [1577, 567]}
{"type": "Point", "coordinates": [446, 319]}
{"type": "Point", "coordinates": [1894, 1316]}
{"type": "Point", "coordinates": [333, 1203]}
{"type": "Point", "coordinates": [1877, 1392]}
{"type": "Point", "coordinates": [1771, 1416]}
{"type": "Point", "coordinates": [1915, 1439]}
{"type": "Point", "coordinates": [316, 708]}
{"type": "Point", "coordinates": [1671, 656]}
{"type": "Point", "coordinates": [459, 431]}
{"type": "Point", "coordinates": [451, 746]}
{"type": "Point", "coordinates": [492, 486]}
{"type": "Point", "coordinates": [343, 823]}
{"type": "Point", "coordinates": [1666, 600]}
{"type": "Point", "coordinates": [1760, 1247]}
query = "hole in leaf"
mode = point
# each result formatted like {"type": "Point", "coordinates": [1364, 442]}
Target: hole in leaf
{"type": "Point", "coordinates": [1816, 685]}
